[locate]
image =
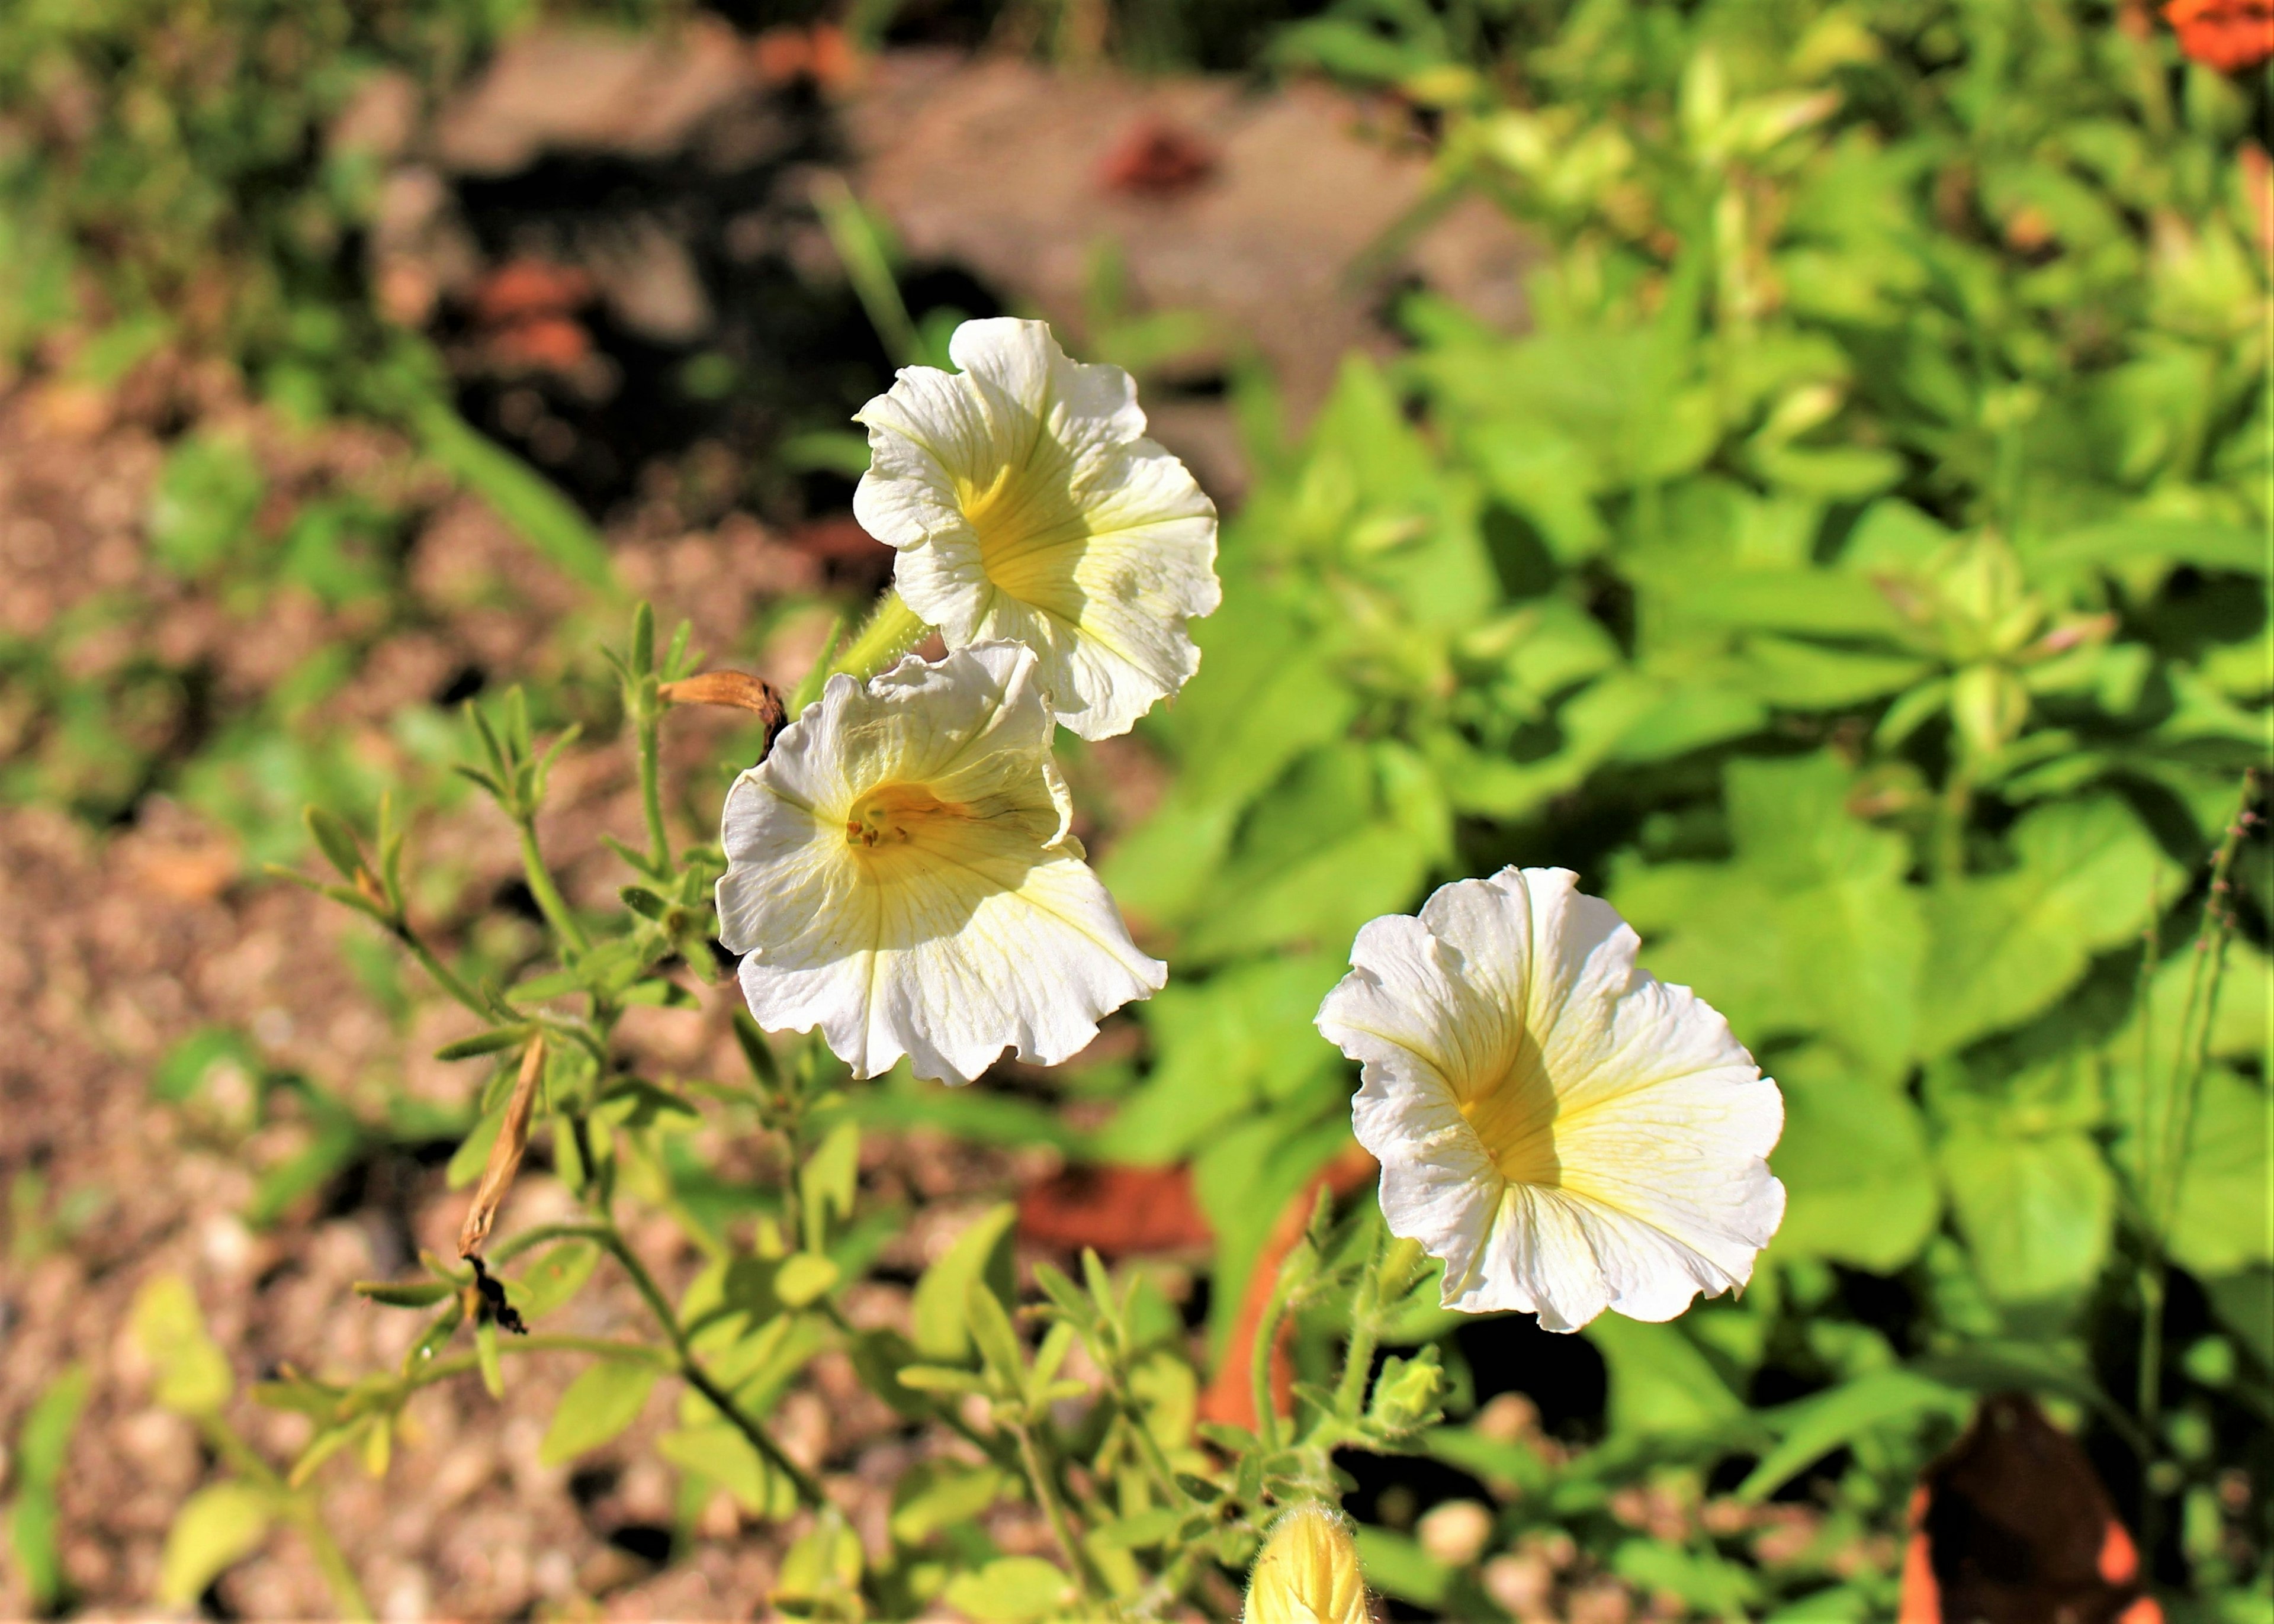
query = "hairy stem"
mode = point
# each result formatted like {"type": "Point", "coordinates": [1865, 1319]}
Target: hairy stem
{"type": "Point", "coordinates": [651, 777]}
{"type": "Point", "coordinates": [891, 629]}
{"type": "Point", "coordinates": [1054, 1512]}
{"type": "Point", "coordinates": [444, 977]}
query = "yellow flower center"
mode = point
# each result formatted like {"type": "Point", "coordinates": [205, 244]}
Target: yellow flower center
{"type": "Point", "coordinates": [1514, 1112]}
{"type": "Point", "coordinates": [896, 815]}
{"type": "Point", "coordinates": [1030, 529]}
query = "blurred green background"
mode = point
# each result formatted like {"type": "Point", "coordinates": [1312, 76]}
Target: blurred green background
{"type": "Point", "coordinates": [1846, 545]}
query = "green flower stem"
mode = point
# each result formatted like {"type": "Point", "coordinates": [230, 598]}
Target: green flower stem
{"type": "Point", "coordinates": [891, 629]}
{"type": "Point", "coordinates": [1054, 1512]}
{"type": "Point", "coordinates": [346, 1590]}
{"type": "Point", "coordinates": [298, 1507]}
{"type": "Point", "coordinates": [549, 900]}
{"type": "Point", "coordinates": [651, 777]}
{"type": "Point", "coordinates": [1259, 1365]}
{"type": "Point", "coordinates": [1393, 1268]}
{"type": "Point", "coordinates": [1149, 1448]}
{"type": "Point", "coordinates": [444, 977]}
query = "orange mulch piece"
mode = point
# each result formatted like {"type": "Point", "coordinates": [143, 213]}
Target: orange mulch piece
{"type": "Point", "coordinates": [821, 53]}
{"type": "Point", "coordinates": [2011, 1526]}
{"type": "Point", "coordinates": [1120, 1211]}
{"type": "Point", "coordinates": [2226, 34]}
{"type": "Point", "coordinates": [544, 344]}
{"type": "Point", "coordinates": [523, 289]}
{"type": "Point", "coordinates": [1230, 1398]}
{"type": "Point", "coordinates": [1157, 160]}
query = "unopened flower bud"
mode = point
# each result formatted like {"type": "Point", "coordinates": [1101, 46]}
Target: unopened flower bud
{"type": "Point", "coordinates": [1309, 1573]}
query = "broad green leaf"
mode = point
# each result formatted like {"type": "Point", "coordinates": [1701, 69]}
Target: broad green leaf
{"type": "Point", "coordinates": [1351, 833]}
{"type": "Point", "coordinates": [1859, 1178]}
{"type": "Point", "coordinates": [2036, 1210]}
{"type": "Point", "coordinates": [1221, 1047]}
{"type": "Point", "coordinates": [1814, 1427]}
{"type": "Point", "coordinates": [1717, 1587]}
{"type": "Point", "coordinates": [2224, 1220]}
{"type": "Point", "coordinates": [805, 1276]}
{"type": "Point", "coordinates": [822, 1570]}
{"type": "Point", "coordinates": [1396, 1565]}
{"type": "Point", "coordinates": [725, 1457]}
{"type": "Point", "coordinates": [1809, 931]}
{"type": "Point", "coordinates": [934, 1495]}
{"type": "Point", "coordinates": [548, 1284]}
{"type": "Point", "coordinates": [599, 1404]}
{"type": "Point", "coordinates": [939, 1311]}
{"type": "Point", "coordinates": [1010, 1590]}
{"type": "Point", "coordinates": [1243, 1176]}
{"type": "Point", "coordinates": [216, 1527]}
{"type": "Point", "coordinates": [1660, 1382]}
{"type": "Point", "coordinates": [2086, 878]}
{"type": "Point", "coordinates": [193, 1376]}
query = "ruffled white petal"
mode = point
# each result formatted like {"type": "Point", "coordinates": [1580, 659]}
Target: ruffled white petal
{"type": "Point", "coordinates": [1027, 506]}
{"type": "Point", "coordinates": [1567, 1133]}
{"type": "Point", "coordinates": [970, 923]}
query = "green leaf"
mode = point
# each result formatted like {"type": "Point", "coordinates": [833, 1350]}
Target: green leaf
{"type": "Point", "coordinates": [335, 840]}
{"type": "Point", "coordinates": [553, 1279]}
{"type": "Point", "coordinates": [1221, 1047]}
{"type": "Point", "coordinates": [938, 1311]}
{"type": "Point", "coordinates": [2202, 542]}
{"type": "Point", "coordinates": [994, 1335]}
{"type": "Point", "coordinates": [473, 1152]}
{"type": "Point", "coordinates": [188, 1065]}
{"type": "Point", "coordinates": [405, 1293]}
{"type": "Point", "coordinates": [1859, 1177]}
{"type": "Point", "coordinates": [1398, 1567]}
{"type": "Point", "coordinates": [1815, 1426]}
{"type": "Point", "coordinates": [2223, 1222]}
{"type": "Point", "coordinates": [1810, 930]}
{"type": "Point", "coordinates": [2087, 876]}
{"type": "Point", "coordinates": [599, 1404]}
{"type": "Point", "coordinates": [1010, 1590]}
{"type": "Point", "coordinates": [1661, 1384]}
{"type": "Point", "coordinates": [805, 1276]}
{"type": "Point", "coordinates": [522, 498]}
{"type": "Point", "coordinates": [216, 1527]}
{"type": "Point", "coordinates": [830, 1178]}
{"type": "Point", "coordinates": [204, 504]}
{"type": "Point", "coordinates": [1350, 833]}
{"type": "Point", "coordinates": [483, 1043]}
{"type": "Point", "coordinates": [41, 1450]}
{"type": "Point", "coordinates": [1717, 1587]}
{"type": "Point", "coordinates": [2036, 1210]}
{"type": "Point", "coordinates": [722, 1454]}
{"type": "Point", "coordinates": [193, 1376]}
{"type": "Point", "coordinates": [935, 1495]}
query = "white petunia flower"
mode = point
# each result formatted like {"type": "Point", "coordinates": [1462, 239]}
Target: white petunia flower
{"type": "Point", "coordinates": [899, 874]}
{"type": "Point", "coordinates": [1567, 1132]}
{"type": "Point", "coordinates": [1026, 504]}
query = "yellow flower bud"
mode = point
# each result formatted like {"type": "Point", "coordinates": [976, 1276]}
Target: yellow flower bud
{"type": "Point", "coordinates": [1309, 1573]}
